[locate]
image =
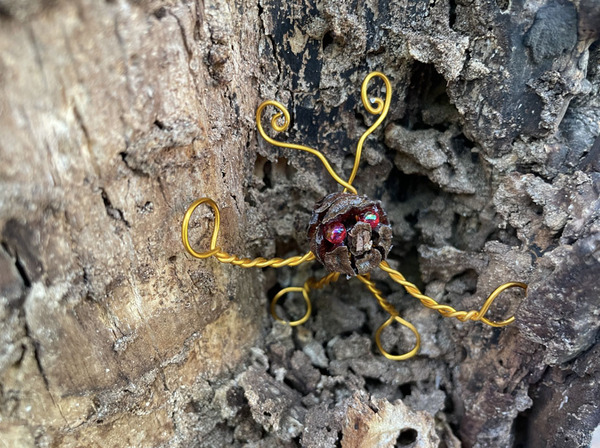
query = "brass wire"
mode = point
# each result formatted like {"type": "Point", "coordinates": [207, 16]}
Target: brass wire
{"type": "Point", "coordinates": [375, 106]}
{"type": "Point", "coordinates": [311, 283]}
{"type": "Point", "coordinates": [225, 257]}
{"type": "Point", "coordinates": [394, 317]}
{"type": "Point", "coordinates": [280, 128]}
{"type": "Point", "coordinates": [448, 311]}
{"type": "Point", "coordinates": [382, 108]}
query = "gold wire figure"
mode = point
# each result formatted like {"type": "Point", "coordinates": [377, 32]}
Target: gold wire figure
{"type": "Point", "coordinates": [375, 106]}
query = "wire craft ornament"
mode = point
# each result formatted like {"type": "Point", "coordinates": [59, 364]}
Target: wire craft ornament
{"type": "Point", "coordinates": [349, 234]}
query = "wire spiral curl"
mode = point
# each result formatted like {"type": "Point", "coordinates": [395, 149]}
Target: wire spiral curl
{"type": "Point", "coordinates": [381, 109]}
{"type": "Point", "coordinates": [280, 121]}
{"type": "Point", "coordinates": [283, 112]}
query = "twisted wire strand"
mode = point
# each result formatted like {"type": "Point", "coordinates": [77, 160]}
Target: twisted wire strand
{"type": "Point", "coordinates": [394, 317]}
{"type": "Point", "coordinates": [332, 277]}
{"type": "Point", "coordinates": [225, 257]}
{"type": "Point", "coordinates": [311, 283]}
{"type": "Point", "coordinates": [261, 262]}
{"type": "Point", "coordinates": [448, 311]}
{"type": "Point", "coordinates": [283, 112]}
{"type": "Point", "coordinates": [381, 108]}
{"type": "Point", "coordinates": [383, 303]}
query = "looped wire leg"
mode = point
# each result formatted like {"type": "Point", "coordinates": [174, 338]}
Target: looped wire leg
{"type": "Point", "coordinates": [394, 317]}
{"type": "Point", "coordinates": [448, 311]}
{"type": "Point", "coordinates": [491, 299]}
{"type": "Point", "coordinates": [224, 257]}
{"type": "Point", "coordinates": [375, 106]}
{"type": "Point", "coordinates": [285, 115]}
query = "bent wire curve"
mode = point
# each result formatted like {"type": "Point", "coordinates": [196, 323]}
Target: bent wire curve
{"type": "Point", "coordinates": [408, 325]}
{"type": "Point", "coordinates": [280, 128]}
{"type": "Point", "coordinates": [490, 300]}
{"type": "Point", "coordinates": [284, 291]}
{"type": "Point", "coordinates": [381, 109]}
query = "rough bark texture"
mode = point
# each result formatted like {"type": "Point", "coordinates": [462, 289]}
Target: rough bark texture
{"type": "Point", "coordinates": [116, 115]}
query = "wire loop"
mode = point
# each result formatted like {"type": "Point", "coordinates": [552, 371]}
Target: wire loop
{"type": "Point", "coordinates": [490, 300]}
{"type": "Point", "coordinates": [225, 257]}
{"type": "Point", "coordinates": [408, 325]}
{"type": "Point", "coordinates": [304, 291]}
{"type": "Point", "coordinates": [185, 231]}
{"type": "Point", "coordinates": [311, 283]}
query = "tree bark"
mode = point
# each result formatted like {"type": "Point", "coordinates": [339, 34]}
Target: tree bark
{"type": "Point", "coordinates": [116, 115]}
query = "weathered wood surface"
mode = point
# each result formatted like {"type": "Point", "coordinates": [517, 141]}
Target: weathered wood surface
{"type": "Point", "coordinates": [116, 115]}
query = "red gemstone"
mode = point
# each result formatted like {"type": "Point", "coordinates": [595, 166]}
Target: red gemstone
{"type": "Point", "coordinates": [335, 232]}
{"type": "Point", "coordinates": [370, 217]}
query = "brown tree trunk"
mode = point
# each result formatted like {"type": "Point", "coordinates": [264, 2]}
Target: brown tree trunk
{"type": "Point", "coordinates": [116, 115]}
